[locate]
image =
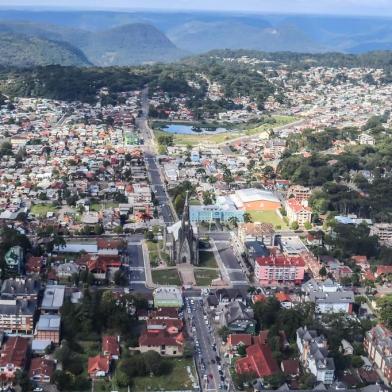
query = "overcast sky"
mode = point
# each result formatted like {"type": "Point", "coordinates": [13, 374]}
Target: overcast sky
{"type": "Point", "coordinates": [354, 7]}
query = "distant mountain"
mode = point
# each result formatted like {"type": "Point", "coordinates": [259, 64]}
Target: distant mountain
{"type": "Point", "coordinates": [131, 44]}
{"type": "Point", "coordinates": [200, 37]}
{"type": "Point", "coordinates": [23, 51]}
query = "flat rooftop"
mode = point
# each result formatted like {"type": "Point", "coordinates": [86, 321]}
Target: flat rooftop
{"type": "Point", "coordinates": [53, 297]}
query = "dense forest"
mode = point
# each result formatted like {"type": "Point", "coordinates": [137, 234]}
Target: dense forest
{"type": "Point", "coordinates": [236, 79]}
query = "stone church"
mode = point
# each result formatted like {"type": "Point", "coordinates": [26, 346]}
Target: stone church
{"type": "Point", "coordinates": [182, 240]}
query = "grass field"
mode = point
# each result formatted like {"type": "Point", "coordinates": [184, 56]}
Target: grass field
{"type": "Point", "coordinates": [177, 380]}
{"type": "Point", "coordinates": [268, 217]}
{"type": "Point", "coordinates": [42, 209]}
{"type": "Point", "coordinates": [168, 277]}
{"type": "Point", "coordinates": [105, 205]}
{"type": "Point", "coordinates": [207, 259]}
{"type": "Point", "coordinates": [204, 277]}
{"type": "Point", "coordinates": [227, 136]}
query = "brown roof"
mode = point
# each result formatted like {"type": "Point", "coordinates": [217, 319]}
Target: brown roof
{"type": "Point", "coordinates": [14, 351]}
{"type": "Point", "coordinates": [290, 366]}
{"type": "Point", "coordinates": [242, 338]}
{"type": "Point", "coordinates": [110, 345]}
{"type": "Point", "coordinates": [41, 366]}
{"type": "Point", "coordinates": [165, 313]}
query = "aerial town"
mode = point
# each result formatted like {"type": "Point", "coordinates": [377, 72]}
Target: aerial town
{"type": "Point", "coordinates": [146, 250]}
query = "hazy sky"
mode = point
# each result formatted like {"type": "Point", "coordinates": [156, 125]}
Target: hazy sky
{"type": "Point", "coordinates": [361, 7]}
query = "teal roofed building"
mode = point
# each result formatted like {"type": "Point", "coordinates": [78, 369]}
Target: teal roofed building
{"type": "Point", "coordinates": [14, 259]}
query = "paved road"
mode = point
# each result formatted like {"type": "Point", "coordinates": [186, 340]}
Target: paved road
{"type": "Point", "coordinates": [137, 276]}
{"type": "Point", "coordinates": [152, 164]}
{"type": "Point", "coordinates": [234, 270]}
{"type": "Point", "coordinates": [204, 339]}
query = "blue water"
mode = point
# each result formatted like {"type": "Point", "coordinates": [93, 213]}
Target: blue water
{"type": "Point", "coordinates": [190, 129]}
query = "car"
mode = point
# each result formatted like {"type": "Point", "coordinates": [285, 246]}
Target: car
{"type": "Point", "coordinates": [213, 348]}
{"type": "Point", "coordinates": [205, 317]}
{"type": "Point", "coordinates": [218, 359]}
{"type": "Point", "coordinates": [222, 378]}
{"type": "Point", "coordinates": [220, 372]}
{"type": "Point", "coordinates": [219, 367]}
{"type": "Point", "coordinates": [206, 322]}
{"type": "Point", "coordinates": [213, 361]}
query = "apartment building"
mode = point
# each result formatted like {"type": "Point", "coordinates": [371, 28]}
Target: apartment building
{"type": "Point", "coordinates": [275, 269]}
{"type": "Point", "coordinates": [298, 212]}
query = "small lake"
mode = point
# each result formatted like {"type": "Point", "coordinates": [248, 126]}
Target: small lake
{"type": "Point", "coordinates": [192, 129]}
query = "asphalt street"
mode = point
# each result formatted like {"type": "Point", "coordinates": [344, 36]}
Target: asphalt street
{"type": "Point", "coordinates": [205, 347]}
{"type": "Point", "coordinates": [137, 276]}
{"type": "Point", "coordinates": [152, 165]}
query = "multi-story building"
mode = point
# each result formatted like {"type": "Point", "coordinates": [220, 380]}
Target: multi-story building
{"type": "Point", "coordinates": [328, 296]}
{"type": "Point", "coordinates": [383, 231]}
{"type": "Point", "coordinates": [48, 328]}
{"type": "Point", "coordinates": [13, 356]}
{"type": "Point", "coordinates": [298, 212]}
{"type": "Point", "coordinates": [378, 344]}
{"type": "Point", "coordinates": [365, 138]}
{"type": "Point", "coordinates": [17, 315]}
{"type": "Point", "coordinates": [257, 231]}
{"type": "Point", "coordinates": [299, 192]}
{"type": "Point", "coordinates": [274, 269]}
{"type": "Point", "coordinates": [215, 213]}
{"type": "Point", "coordinates": [163, 336]}
{"type": "Point", "coordinates": [314, 355]}
{"type": "Point", "coordinates": [53, 299]}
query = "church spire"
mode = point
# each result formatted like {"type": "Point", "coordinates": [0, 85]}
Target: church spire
{"type": "Point", "coordinates": [185, 214]}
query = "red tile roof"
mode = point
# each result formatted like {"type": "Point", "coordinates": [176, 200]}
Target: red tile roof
{"type": "Point", "coordinates": [245, 339]}
{"type": "Point", "coordinates": [99, 363]}
{"type": "Point", "coordinates": [258, 360]}
{"type": "Point", "coordinates": [110, 345]}
{"type": "Point", "coordinates": [280, 260]}
{"type": "Point", "coordinates": [282, 297]}
{"type": "Point", "coordinates": [296, 206]}
{"type": "Point", "coordinates": [290, 366]}
{"type": "Point", "coordinates": [14, 352]}
{"type": "Point", "coordinates": [154, 338]}
{"type": "Point", "coordinates": [41, 367]}
{"type": "Point", "coordinates": [384, 269]}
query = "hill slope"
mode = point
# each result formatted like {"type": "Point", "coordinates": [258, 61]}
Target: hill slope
{"type": "Point", "coordinates": [200, 37]}
{"type": "Point", "coordinates": [131, 44]}
{"type": "Point", "coordinates": [23, 51]}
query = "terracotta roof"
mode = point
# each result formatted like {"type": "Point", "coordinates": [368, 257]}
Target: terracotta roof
{"type": "Point", "coordinates": [280, 260]}
{"type": "Point", "coordinates": [384, 269]}
{"type": "Point", "coordinates": [99, 363]}
{"type": "Point", "coordinates": [14, 351]}
{"type": "Point", "coordinates": [110, 345]}
{"type": "Point", "coordinates": [282, 297]}
{"type": "Point", "coordinates": [242, 338]}
{"type": "Point", "coordinates": [258, 360]}
{"type": "Point", "coordinates": [296, 206]}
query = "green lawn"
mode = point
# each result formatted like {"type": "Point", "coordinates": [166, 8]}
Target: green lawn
{"type": "Point", "coordinates": [207, 259]}
{"type": "Point", "coordinates": [168, 277]}
{"type": "Point", "coordinates": [267, 217]}
{"type": "Point", "coordinates": [42, 209]}
{"type": "Point", "coordinates": [248, 130]}
{"type": "Point", "coordinates": [105, 205]}
{"type": "Point", "coordinates": [177, 380]}
{"type": "Point", "coordinates": [204, 277]}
